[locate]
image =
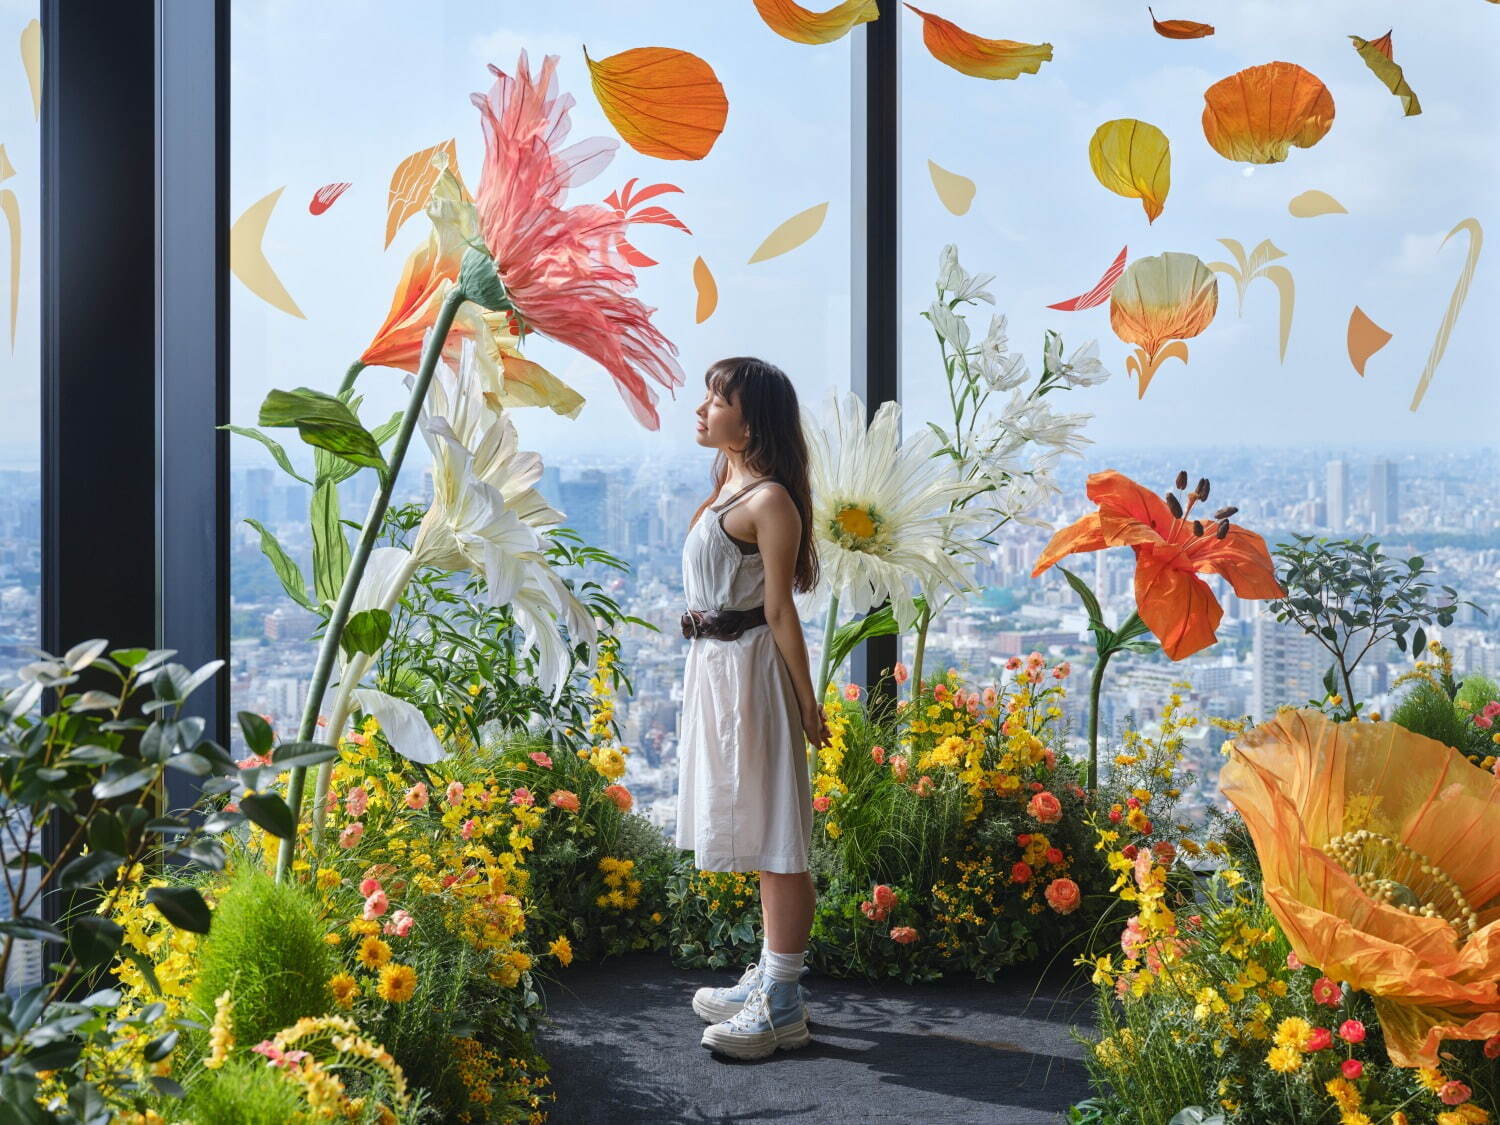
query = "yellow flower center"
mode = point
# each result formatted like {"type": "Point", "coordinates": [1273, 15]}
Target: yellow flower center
{"type": "Point", "coordinates": [1395, 874]}
{"type": "Point", "coordinates": [855, 527]}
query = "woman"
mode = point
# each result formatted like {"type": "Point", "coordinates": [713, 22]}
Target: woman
{"type": "Point", "coordinates": [744, 799]}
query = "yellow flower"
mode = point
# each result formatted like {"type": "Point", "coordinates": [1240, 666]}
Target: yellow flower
{"type": "Point", "coordinates": [398, 983]}
{"type": "Point", "coordinates": [1284, 1060]}
{"type": "Point", "coordinates": [220, 1036]}
{"type": "Point", "coordinates": [344, 988]}
{"type": "Point", "coordinates": [373, 952]}
{"type": "Point", "coordinates": [1293, 1032]}
{"type": "Point", "coordinates": [562, 949]}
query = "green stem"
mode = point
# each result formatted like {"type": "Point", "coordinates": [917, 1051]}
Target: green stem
{"type": "Point", "coordinates": [824, 671]}
{"type": "Point", "coordinates": [353, 373]}
{"type": "Point", "coordinates": [1096, 681]}
{"type": "Point", "coordinates": [329, 649]}
{"type": "Point", "coordinates": [916, 664]}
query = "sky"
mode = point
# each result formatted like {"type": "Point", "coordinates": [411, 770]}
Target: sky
{"type": "Point", "coordinates": [343, 90]}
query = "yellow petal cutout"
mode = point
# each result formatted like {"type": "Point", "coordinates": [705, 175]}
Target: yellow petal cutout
{"type": "Point", "coordinates": [791, 234]}
{"type": "Point", "coordinates": [1133, 158]}
{"type": "Point", "coordinates": [955, 192]}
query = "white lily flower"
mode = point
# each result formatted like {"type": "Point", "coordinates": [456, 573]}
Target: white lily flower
{"type": "Point", "coordinates": [952, 328]}
{"type": "Point", "coordinates": [1001, 370]}
{"type": "Point", "coordinates": [1082, 369]}
{"type": "Point", "coordinates": [953, 280]}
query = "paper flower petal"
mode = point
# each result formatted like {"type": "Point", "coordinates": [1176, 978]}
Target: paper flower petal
{"type": "Point", "coordinates": [662, 101]}
{"type": "Point", "coordinates": [1134, 159]}
{"type": "Point", "coordinates": [1313, 203]}
{"type": "Point", "coordinates": [1180, 29]}
{"type": "Point", "coordinates": [1455, 303]}
{"type": "Point", "coordinates": [1100, 292]}
{"type": "Point", "coordinates": [31, 59]}
{"type": "Point", "coordinates": [404, 726]}
{"type": "Point", "coordinates": [326, 196]}
{"type": "Point", "coordinates": [955, 192]}
{"type": "Point", "coordinates": [791, 234]}
{"type": "Point", "coordinates": [708, 291]}
{"type": "Point", "coordinates": [247, 261]}
{"type": "Point", "coordinates": [1365, 338]}
{"type": "Point", "coordinates": [411, 184]}
{"type": "Point", "coordinates": [1380, 58]}
{"type": "Point", "coordinates": [1159, 302]}
{"type": "Point", "coordinates": [794, 22]}
{"type": "Point", "coordinates": [1257, 114]}
{"type": "Point", "coordinates": [980, 58]}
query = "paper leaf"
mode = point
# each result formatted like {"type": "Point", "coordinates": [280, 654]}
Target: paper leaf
{"type": "Point", "coordinates": [1380, 58]}
{"type": "Point", "coordinates": [1455, 302]}
{"type": "Point", "coordinates": [247, 261]}
{"type": "Point", "coordinates": [980, 58]}
{"type": "Point", "coordinates": [627, 204]}
{"type": "Point", "coordinates": [708, 291]}
{"type": "Point", "coordinates": [1134, 159]}
{"type": "Point", "coordinates": [31, 59]}
{"type": "Point", "coordinates": [955, 192]}
{"type": "Point", "coordinates": [11, 206]}
{"type": "Point", "coordinates": [794, 22]}
{"type": "Point", "coordinates": [412, 182]}
{"type": "Point", "coordinates": [1281, 277]}
{"type": "Point", "coordinates": [663, 102]}
{"type": "Point", "coordinates": [1313, 203]}
{"type": "Point", "coordinates": [1100, 292]}
{"type": "Point", "coordinates": [1257, 114]}
{"type": "Point", "coordinates": [326, 196]}
{"type": "Point", "coordinates": [791, 234]}
{"type": "Point", "coordinates": [1179, 29]}
{"type": "Point", "coordinates": [403, 725]}
{"type": "Point", "coordinates": [1365, 338]}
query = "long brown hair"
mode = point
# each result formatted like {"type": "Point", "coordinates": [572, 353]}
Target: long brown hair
{"type": "Point", "coordinates": [777, 449]}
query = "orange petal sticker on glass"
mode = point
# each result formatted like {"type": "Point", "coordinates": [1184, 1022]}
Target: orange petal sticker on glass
{"type": "Point", "coordinates": [794, 22]}
{"type": "Point", "coordinates": [1258, 114]}
{"type": "Point", "coordinates": [247, 261]}
{"type": "Point", "coordinates": [1310, 204]}
{"type": "Point", "coordinates": [708, 291]}
{"type": "Point", "coordinates": [1365, 338]}
{"type": "Point", "coordinates": [31, 59]}
{"type": "Point", "coordinates": [955, 192]}
{"type": "Point", "coordinates": [663, 102]}
{"type": "Point", "coordinates": [1455, 302]}
{"type": "Point", "coordinates": [627, 204]}
{"type": "Point", "coordinates": [980, 58]}
{"type": "Point", "coordinates": [1380, 58]}
{"type": "Point", "coordinates": [325, 197]}
{"type": "Point", "coordinates": [1180, 29]}
{"type": "Point", "coordinates": [1100, 292]}
{"type": "Point", "coordinates": [1247, 267]}
{"type": "Point", "coordinates": [412, 182]}
{"type": "Point", "coordinates": [791, 234]}
{"type": "Point", "coordinates": [1158, 303]}
{"type": "Point", "coordinates": [1133, 158]}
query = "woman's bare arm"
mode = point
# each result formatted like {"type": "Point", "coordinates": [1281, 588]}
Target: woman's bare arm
{"type": "Point", "coordinates": [778, 533]}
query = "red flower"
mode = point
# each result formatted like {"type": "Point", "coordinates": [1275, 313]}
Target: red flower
{"type": "Point", "coordinates": [1326, 991]}
{"type": "Point", "coordinates": [1054, 856]}
{"type": "Point", "coordinates": [1020, 872]}
{"type": "Point", "coordinates": [1352, 1031]}
{"type": "Point", "coordinates": [1319, 1039]}
{"type": "Point", "coordinates": [904, 934]}
{"type": "Point", "coordinates": [1045, 808]}
{"type": "Point", "coordinates": [1063, 895]}
{"type": "Point", "coordinates": [1352, 1069]}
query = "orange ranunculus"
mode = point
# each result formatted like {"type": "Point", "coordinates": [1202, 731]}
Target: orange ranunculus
{"type": "Point", "coordinates": [1345, 817]}
{"type": "Point", "coordinates": [1175, 604]}
{"type": "Point", "coordinates": [1159, 302]}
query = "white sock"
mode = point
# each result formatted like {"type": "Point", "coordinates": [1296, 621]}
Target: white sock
{"type": "Point", "coordinates": [783, 966]}
{"type": "Point", "coordinates": [765, 948]}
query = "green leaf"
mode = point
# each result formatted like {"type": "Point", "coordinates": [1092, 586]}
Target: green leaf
{"type": "Point", "coordinates": [284, 565]}
{"type": "Point", "coordinates": [324, 422]}
{"type": "Point", "coordinates": [275, 448]}
{"type": "Point", "coordinates": [330, 548]}
{"type": "Point", "coordinates": [1418, 641]}
{"type": "Point", "coordinates": [258, 734]}
{"type": "Point", "coordinates": [160, 1047]}
{"type": "Point", "coordinates": [94, 939]}
{"type": "Point", "coordinates": [880, 623]}
{"type": "Point", "coordinates": [1090, 602]}
{"type": "Point", "coordinates": [365, 632]}
{"type": "Point", "coordinates": [89, 869]}
{"type": "Point", "coordinates": [182, 906]}
{"type": "Point", "coordinates": [31, 929]}
{"type": "Point", "coordinates": [106, 833]}
{"type": "Point", "coordinates": [387, 429]}
{"type": "Point", "coordinates": [270, 812]}
{"type": "Point", "coordinates": [299, 755]}
{"type": "Point", "coordinates": [123, 777]}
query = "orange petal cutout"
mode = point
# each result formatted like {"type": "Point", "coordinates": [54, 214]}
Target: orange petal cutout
{"type": "Point", "coordinates": [1365, 338]}
{"type": "Point", "coordinates": [1380, 58]}
{"type": "Point", "coordinates": [980, 58]}
{"type": "Point", "coordinates": [708, 291]}
{"type": "Point", "coordinates": [412, 182]}
{"type": "Point", "coordinates": [1134, 159]}
{"type": "Point", "coordinates": [1257, 114]}
{"type": "Point", "coordinates": [1170, 296]}
{"type": "Point", "coordinates": [1100, 292]}
{"type": "Point", "coordinates": [794, 22]}
{"type": "Point", "coordinates": [326, 196]}
{"type": "Point", "coordinates": [663, 102]}
{"type": "Point", "coordinates": [1180, 29]}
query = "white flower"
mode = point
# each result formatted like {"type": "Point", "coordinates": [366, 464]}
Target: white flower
{"type": "Point", "coordinates": [1083, 368]}
{"type": "Point", "coordinates": [953, 329]}
{"type": "Point", "coordinates": [1032, 420]}
{"type": "Point", "coordinates": [953, 280]}
{"type": "Point", "coordinates": [1000, 369]}
{"type": "Point", "coordinates": [881, 515]}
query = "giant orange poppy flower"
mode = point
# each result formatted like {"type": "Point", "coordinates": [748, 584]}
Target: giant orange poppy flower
{"type": "Point", "coordinates": [1170, 552]}
{"type": "Point", "coordinates": [1377, 850]}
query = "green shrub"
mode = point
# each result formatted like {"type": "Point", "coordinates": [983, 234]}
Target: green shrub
{"type": "Point", "coordinates": [266, 947]}
{"type": "Point", "coordinates": [243, 1092]}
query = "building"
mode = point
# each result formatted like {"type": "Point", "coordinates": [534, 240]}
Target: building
{"type": "Point", "coordinates": [1288, 666]}
{"type": "Point", "coordinates": [1337, 473]}
{"type": "Point", "coordinates": [1385, 496]}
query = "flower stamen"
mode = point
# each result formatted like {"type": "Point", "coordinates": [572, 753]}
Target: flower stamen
{"type": "Point", "coordinates": [1394, 874]}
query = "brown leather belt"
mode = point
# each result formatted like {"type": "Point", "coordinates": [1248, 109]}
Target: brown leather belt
{"type": "Point", "coordinates": [721, 624]}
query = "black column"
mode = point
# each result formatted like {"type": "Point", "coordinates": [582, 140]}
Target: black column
{"type": "Point", "coordinates": [876, 259]}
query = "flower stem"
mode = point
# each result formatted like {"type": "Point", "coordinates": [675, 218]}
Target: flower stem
{"type": "Point", "coordinates": [1096, 681]}
{"type": "Point", "coordinates": [328, 651]}
{"type": "Point", "coordinates": [916, 664]}
{"type": "Point", "coordinates": [349, 376]}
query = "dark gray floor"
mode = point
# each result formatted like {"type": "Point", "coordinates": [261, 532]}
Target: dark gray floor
{"type": "Point", "coordinates": [623, 1042]}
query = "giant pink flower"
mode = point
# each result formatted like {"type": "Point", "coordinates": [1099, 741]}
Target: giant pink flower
{"type": "Point", "coordinates": [561, 266]}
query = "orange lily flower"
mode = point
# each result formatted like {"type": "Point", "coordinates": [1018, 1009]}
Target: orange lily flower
{"type": "Point", "coordinates": [1175, 604]}
{"type": "Point", "coordinates": [1377, 852]}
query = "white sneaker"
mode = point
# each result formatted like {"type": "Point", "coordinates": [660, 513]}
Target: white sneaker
{"type": "Point", "coordinates": [717, 1004]}
{"type": "Point", "coordinates": [772, 1019]}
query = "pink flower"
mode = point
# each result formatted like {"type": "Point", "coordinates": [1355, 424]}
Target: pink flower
{"type": "Point", "coordinates": [988, 696]}
{"type": "Point", "coordinates": [1034, 661]}
{"type": "Point", "coordinates": [900, 672]}
{"type": "Point", "coordinates": [1352, 1031]}
{"type": "Point", "coordinates": [369, 886]}
{"type": "Point", "coordinates": [1492, 1047]}
{"type": "Point", "coordinates": [416, 796]}
{"type": "Point", "coordinates": [1045, 808]}
{"type": "Point", "coordinates": [1454, 1093]}
{"type": "Point", "coordinates": [254, 760]}
{"type": "Point", "coordinates": [400, 924]}
{"type": "Point", "coordinates": [972, 705]}
{"type": "Point", "coordinates": [357, 801]}
{"type": "Point", "coordinates": [1318, 1039]}
{"type": "Point", "coordinates": [1143, 864]}
{"type": "Point", "coordinates": [1063, 895]}
{"type": "Point", "coordinates": [1326, 991]}
{"type": "Point", "coordinates": [923, 787]}
{"type": "Point", "coordinates": [541, 758]}
{"type": "Point", "coordinates": [470, 827]}
{"type": "Point", "coordinates": [872, 912]}
{"type": "Point", "coordinates": [1132, 937]}
{"type": "Point", "coordinates": [522, 796]}
{"type": "Point", "coordinates": [899, 766]}
{"type": "Point", "coordinates": [1020, 872]}
{"type": "Point", "coordinates": [904, 934]}
{"type": "Point", "coordinates": [1491, 709]}
{"type": "Point", "coordinates": [1165, 852]}
{"type": "Point", "coordinates": [1013, 663]}
{"type": "Point", "coordinates": [884, 896]}
{"type": "Point", "coordinates": [1062, 671]}
{"type": "Point", "coordinates": [620, 796]}
{"type": "Point", "coordinates": [821, 803]}
{"type": "Point", "coordinates": [287, 1060]}
{"type": "Point", "coordinates": [1293, 962]}
{"type": "Point", "coordinates": [1484, 721]}
{"type": "Point", "coordinates": [376, 905]}
{"type": "Point", "coordinates": [1049, 759]}
{"type": "Point", "coordinates": [941, 693]}
{"type": "Point", "coordinates": [877, 755]}
{"type": "Point", "coordinates": [455, 793]}
{"type": "Point", "coordinates": [1352, 1069]}
{"type": "Point", "coordinates": [562, 267]}
{"type": "Point", "coordinates": [330, 802]}
{"type": "Point", "coordinates": [351, 834]}
{"type": "Point", "coordinates": [851, 692]}
{"type": "Point", "coordinates": [565, 799]}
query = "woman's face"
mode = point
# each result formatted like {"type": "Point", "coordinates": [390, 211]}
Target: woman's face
{"type": "Point", "coordinates": [720, 425]}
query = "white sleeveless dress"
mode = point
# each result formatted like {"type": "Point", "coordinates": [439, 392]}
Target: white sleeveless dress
{"type": "Point", "coordinates": [744, 800]}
